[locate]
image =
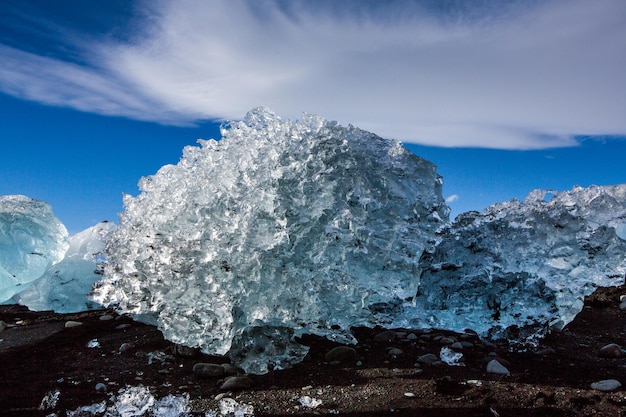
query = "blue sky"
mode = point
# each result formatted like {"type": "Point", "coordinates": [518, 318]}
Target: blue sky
{"type": "Point", "coordinates": [503, 96]}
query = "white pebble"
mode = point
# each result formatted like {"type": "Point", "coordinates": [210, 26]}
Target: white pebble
{"type": "Point", "coordinates": [606, 385]}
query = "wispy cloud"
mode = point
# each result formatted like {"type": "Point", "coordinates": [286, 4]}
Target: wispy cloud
{"type": "Point", "coordinates": [452, 198]}
{"type": "Point", "coordinates": [527, 76]}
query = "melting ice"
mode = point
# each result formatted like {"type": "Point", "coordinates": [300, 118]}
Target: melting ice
{"type": "Point", "coordinates": [281, 228]}
{"type": "Point", "coordinates": [31, 240]}
{"type": "Point", "coordinates": [64, 286]}
{"type": "Point", "coordinates": [520, 268]}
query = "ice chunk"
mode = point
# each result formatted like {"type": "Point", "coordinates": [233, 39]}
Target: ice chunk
{"type": "Point", "coordinates": [518, 268]}
{"type": "Point", "coordinates": [136, 401]}
{"type": "Point", "coordinates": [64, 286]}
{"type": "Point", "coordinates": [231, 408]}
{"type": "Point", "coordinates": [31, 240]}
{"type": "Point", "coordinates": [280, 228]}
{"type": "Point", "coordinates": [309, 402]}
{"type": "Point", "coordinates": [451, 357]}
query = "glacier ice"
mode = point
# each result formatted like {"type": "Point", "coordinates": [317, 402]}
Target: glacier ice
{"type": "Point", "coordinates": [520, 268]}
{"type": "Point", "coordinates": [136, 401]}
{"type": "Point", "coordinates": [32, 239]}
{"type": "Point", "coordinates": [64, 287]}
{"type": "Point", "coordinates": [278, 229]}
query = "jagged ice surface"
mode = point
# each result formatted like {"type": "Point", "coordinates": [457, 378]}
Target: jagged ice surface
{"type": "Point", "coordinates": [280, 228]}
{"type": "Point", "coordinates": [31, 240]}
{"type": "Point", "coordinates": [521, 267]}
{"type": "Point", "coordinates": [64, 287]}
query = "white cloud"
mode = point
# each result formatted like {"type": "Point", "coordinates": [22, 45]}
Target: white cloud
{"type": "Point", "coordinates": [528, 77]}
{"type": "Point", "coordinates": [452, 198]}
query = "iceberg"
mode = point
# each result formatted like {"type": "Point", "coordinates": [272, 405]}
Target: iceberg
{"type": "Point", "coordinates": [280, 228]}
{"type": "Point", "coordinates": [521, 268]}
{"type": "Point", "coordinates": [32, 239]}
{"type": "Point", "coordinates": [65, 286]}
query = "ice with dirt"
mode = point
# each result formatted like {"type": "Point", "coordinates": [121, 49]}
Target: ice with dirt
{"type": "Point", "coordinates": [280, 228]}
{"type": "Point", "coordinates": [65, 286]}
{"type": "Point", "coordinates": [32, 239]}
{"type": "Point", "coordinates": [520, 268]}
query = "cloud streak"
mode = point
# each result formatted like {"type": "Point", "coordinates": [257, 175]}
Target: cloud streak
{"type": "Point", "coordinates": [528, 76]}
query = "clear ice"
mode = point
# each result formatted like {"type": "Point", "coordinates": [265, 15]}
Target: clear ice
{"type": "Point", "coordinates": [64, 287]}
{"type": "Point", "coordinates": [280, 228]}
{"type": "Point", "coordinates": [284, 228]}
{"type": "Point", "coordinates": [32, 239]}
{"type": "Point", "coordinates": [521, 268]}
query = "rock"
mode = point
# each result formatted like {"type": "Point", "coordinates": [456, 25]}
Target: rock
{"type": "Point", "coordinates": [122, 326]}
{"type": "Point", "coordinates": [411, 337]}
{"type": "Point", "coordinates": [545, 351]}
{"type": "Point", "coordinates": [447, 340]}
{"type": "Point", "coordinates": [606, 385]}
{"type": "Point", "coordinates": [101, 388]}
{"type": "Point", "coordinates": [231, 370]}
{"type": "Point", "coordinates": [457, 346]}
{"type": "Point", "coordinates": [389, 336]}
{"type": "Point", "coordinates": [392, 351]}
{"type": "Point", "coordinates": [236, 383]}
{"type": "Point", "coordinates": [3, 326]}
{"type": "Point", "coordinates": [185, 351]}
{"type": "Point", "coordinates": [495, 367]}
{"type": "Point", "coordinates": [622, 305]}
{"type": "Point", "coordinates": [340, 354]}
{"type": "Point", "coordinates": [428, 359]}
{"type": "Point", "coordinates": [611, 350]}
{"type": "Point", "coordinates": [106, 317]}
{"type": "Point", "coordinates": [124, 347]}
{"type": "Point", "coordinates": [71, 323]}
{"type": "Point", "coordinates": [208, 370]}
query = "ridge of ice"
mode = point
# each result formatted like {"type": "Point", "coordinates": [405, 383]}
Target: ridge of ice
{"type": "Point", "coordinates": [32, 239]}
{"type": "Point", "coordinates": [520, 268]}
{"type": "Point", "coordinates": [65, 286]}
{"type": "Point", "coordinates": [280, 228]}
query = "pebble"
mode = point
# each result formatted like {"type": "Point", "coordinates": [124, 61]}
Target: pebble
{"type": "Point", "coordinates": [545, 351]}
{"type": "Point", "coordinates": [428, 359]}
{"type": "Point", "coordinates": [208, 370]}
{"type": "Point", "coordinates": [392, 351]}
{"type": "Point", "coordinates": [3, 326]}
{"type": "Point", "coordinates": [72, 323]}
{"type": "Point", "coordinates": [457, 346]}
{"type": "Point", "coordinates": [236, 383]}
{"type": "Point", "coordinates": [185, 351]}
{"type": "Point", "coordinates": [232, 370]}
{"type": "Point", "coordinates": [606, 385]}
{"type": "Point", "coordinates": [495, 367]}
{"type": "Point", "coordinates": [106, 317]}
{"type": "Point", "coordinates": [101, 388]}
{"type": "Point", "coordinates": [622, 305]}
{"type": "Point", "coordinates": [409, 394]}
{"type": "Point", "coordinates": [124, 347]}
{"type": "Point", "coordinates": [411, 337]}
{"type": "Point", "coordinates": [389, 336]}
{"type": "Point", "coordinates": [611, 350]}
{"type": "Point", "coordinates": [447, 340]}
{"type": "Point", "coordinates": [122, 326]}
{"type": "Point", "coordinates": [340, 354]}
